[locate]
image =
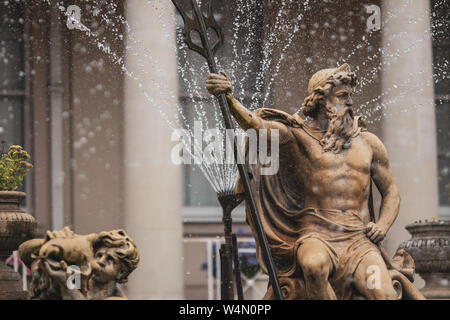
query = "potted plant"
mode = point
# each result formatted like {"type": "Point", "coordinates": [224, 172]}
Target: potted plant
{"type": "Point", "coordinates": [16, 226]}
{"type": "Point", "coordinates": [14, 167]}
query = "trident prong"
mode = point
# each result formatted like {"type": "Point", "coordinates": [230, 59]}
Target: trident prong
{"type": "Point", "coordinates": [195, 25]}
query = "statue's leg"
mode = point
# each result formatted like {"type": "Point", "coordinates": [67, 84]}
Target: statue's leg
{"type": "Point", "coordinates": [316, 264]}
{"type": "Point", "coordinates": [372, 278]}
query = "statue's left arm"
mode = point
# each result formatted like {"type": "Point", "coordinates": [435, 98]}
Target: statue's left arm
{"type": "Point", "coordinates": [381, 174]}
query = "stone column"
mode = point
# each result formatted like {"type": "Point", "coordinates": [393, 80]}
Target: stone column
{"type": "Point", "coordinates": [409, 130]}
{"type": "Point", "coordinates": [153, 197]}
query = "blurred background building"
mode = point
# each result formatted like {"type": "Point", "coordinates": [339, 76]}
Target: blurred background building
{"type": "Point", "coordinates": [101, 148]}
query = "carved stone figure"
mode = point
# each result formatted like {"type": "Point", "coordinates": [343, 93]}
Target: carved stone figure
{"type": "Point", "coordinates": [65, 265]}
{"type": "Point", "coordinates": [317, 210]}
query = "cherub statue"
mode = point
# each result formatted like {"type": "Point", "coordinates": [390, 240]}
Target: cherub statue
{"type": "Point", "coordinates": [65, 265]}
{"type": "Point", "coordinates": [317, 210]}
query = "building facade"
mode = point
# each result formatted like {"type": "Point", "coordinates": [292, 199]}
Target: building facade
{"type": "Point", "coordinates": [93, 104]}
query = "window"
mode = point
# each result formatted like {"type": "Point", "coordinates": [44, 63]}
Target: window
{"type": "Point", "coordinates": [441, 65]}
{"type": "Point", "coordinates": [12, 73]}
{"type": "Point", "coordinates": [15, 76]}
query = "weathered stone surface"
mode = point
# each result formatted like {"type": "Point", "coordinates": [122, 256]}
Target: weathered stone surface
{"type": "Point", "coordinates": [69, 266]}
{"type": "Point", "coordinates": [16, 226]}
{"type": "Point", "coordinates": [430, 248]}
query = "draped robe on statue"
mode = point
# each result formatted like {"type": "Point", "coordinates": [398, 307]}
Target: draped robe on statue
{"type": "Point", "coordinates": [287, 222]}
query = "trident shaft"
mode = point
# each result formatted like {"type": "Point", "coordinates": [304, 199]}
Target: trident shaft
{"type": "Point", "coordinates": [201, 24]}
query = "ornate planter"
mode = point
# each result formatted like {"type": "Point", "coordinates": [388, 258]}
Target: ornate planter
{"type": "Point", "coordinates": [16, 227]}
{"type": "Point", "coordinates": [430, 248]}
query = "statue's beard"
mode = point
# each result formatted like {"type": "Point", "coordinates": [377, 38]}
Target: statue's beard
{"type": "Point", "coordinates": [339, 132]}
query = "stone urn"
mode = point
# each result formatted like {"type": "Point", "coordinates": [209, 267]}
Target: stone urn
{"type": "Point", "coordinates": [430, 248]}
{"type": "Point", "coordinates": [16, 226]}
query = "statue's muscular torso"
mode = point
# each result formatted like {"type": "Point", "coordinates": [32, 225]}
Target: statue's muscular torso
{"type": "Point", "coordinates": [333, 181]}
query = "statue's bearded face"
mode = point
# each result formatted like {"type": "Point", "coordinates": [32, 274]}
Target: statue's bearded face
{"type": "Point", "coordinates": [338, 109]}
{"type": "Point", "coordinates": [340, 98]}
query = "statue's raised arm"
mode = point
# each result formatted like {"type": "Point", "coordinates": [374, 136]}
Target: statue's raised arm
{"type": "Point", "coordinates": [219, 83]}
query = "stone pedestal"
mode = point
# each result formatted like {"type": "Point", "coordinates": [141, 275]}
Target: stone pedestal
{"type": "Point", "coordinates": [430, 249]}
{"type": "Point", "coordinates": [10, 282]}
{"type": "Point", "coordinates": [16, 227]}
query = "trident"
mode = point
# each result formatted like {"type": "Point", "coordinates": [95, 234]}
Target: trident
{"type": "Point", "coordinates": [200, 24]}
